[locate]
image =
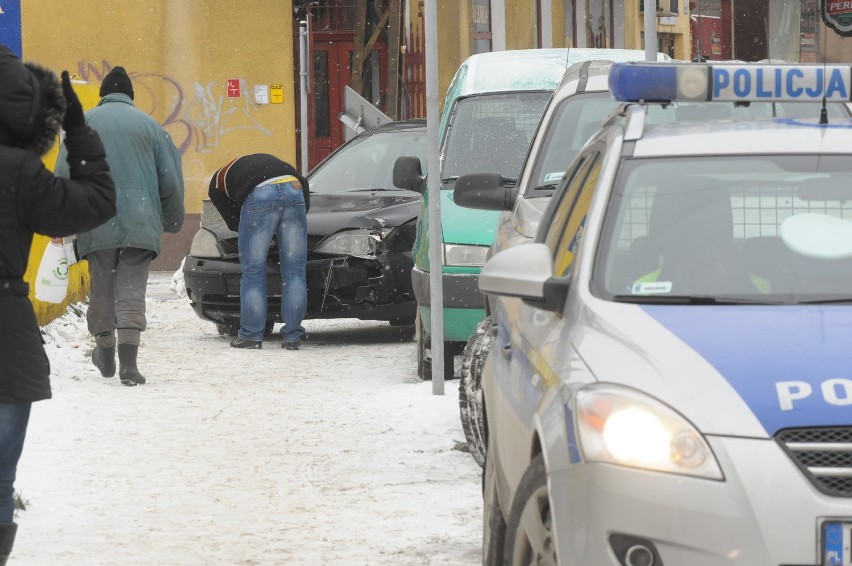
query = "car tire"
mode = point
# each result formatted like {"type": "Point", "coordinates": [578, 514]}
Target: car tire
{"type": "Point", "coordinates": [531, 514]}
{"type": "Point", "coordinates": [424, 353]}
{"type": "Point", "coordinates": [493, 524]}
{"type": "Point", "coordinates": [470, 391]}
{"type": "Point", "coordinates": [424, 361]}
{"type": "Point", "coordinates": [228, 328]}
{"type": "Point", "coordinates": [404, 321]}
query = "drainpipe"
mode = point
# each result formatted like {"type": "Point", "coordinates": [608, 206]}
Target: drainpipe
{"type": "Point", "coordinates": [303, 92]}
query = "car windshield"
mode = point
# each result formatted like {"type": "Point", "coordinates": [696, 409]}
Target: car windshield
{"type": "Point", "coordinates": [492, 133]}
{"type": "Point", "coordinates": [573, 122]}
{"type": "Point", "coordinates": [766, 229]}
{"type": "Point", "coordinates": [578, 117]}
{"type": "Point", "coordinates": [366, 163]}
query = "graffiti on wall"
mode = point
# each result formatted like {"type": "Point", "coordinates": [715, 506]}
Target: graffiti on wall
{"type": "Point", "coordinates": [197, 124]}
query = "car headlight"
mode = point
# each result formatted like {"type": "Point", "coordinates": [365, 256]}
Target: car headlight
{"type": "Point", "coordinates": [204, 245]}
{"type": "Point", "coordinates": [624, 427]}
{"type": "Point", "coordinates": [357, 243]}
{"type": "Point", "coordinates": [460, 255]}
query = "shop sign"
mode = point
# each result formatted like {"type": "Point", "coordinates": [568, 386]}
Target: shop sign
{"type": "Point", "coordinates": [837, 15]}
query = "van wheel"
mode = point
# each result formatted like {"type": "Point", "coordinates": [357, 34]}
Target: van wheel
{"type": "Point", "coordinates": [470, 391]}
{"type": "Point", "coordinates": [424, 360]}
{"type": "Point", "coordinates": [228, 328]}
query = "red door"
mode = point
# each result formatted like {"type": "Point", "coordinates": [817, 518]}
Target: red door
{"type": "Point", "coordinates": [331, 53]}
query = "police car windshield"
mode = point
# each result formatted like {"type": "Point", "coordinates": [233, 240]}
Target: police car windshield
{"type": "Point", "coordinates": [771, 229]}
{"type": "Point", "coordinates": [492, 133]}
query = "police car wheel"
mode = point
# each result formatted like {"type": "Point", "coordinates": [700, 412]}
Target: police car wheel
{"type": "Point", "coordinates": [529, 536]}
{"type": "Point", "coordinates": [493, 524]}
{"type": "Point", "coordinates": [470, 391]}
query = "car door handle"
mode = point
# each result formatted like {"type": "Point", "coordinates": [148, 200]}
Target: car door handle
{"type": "Point", "coordinates": [506, 351]}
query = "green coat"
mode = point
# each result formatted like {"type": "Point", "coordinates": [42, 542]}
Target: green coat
{"type": "Point", "coordinates": [147, 170]}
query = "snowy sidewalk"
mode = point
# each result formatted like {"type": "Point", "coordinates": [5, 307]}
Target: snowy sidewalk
{"type": "Point", "coordinates": [335, 454]}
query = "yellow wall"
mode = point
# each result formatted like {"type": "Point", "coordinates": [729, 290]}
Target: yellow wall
{"type": "Point", "coordinates": [180, 53]}
{"type": "Point", "coordinates": [634, 26]}
{"type": "Point", "coordinates": [520, 27]}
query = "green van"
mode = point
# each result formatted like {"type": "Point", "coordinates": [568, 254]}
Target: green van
{"type": "Point", "coordinates": [491, 111]}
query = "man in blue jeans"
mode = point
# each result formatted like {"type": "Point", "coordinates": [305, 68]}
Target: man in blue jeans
{"type": "Point", "coordinates": [260, 197]}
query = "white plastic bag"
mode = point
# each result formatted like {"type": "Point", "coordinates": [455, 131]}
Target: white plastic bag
{"type": "Point", "coordinates": [51, 284]}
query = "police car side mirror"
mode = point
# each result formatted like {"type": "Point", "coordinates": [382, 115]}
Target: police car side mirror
{"type": "Point", "coordinates": [408, 174]}
{"type": "Point", "coordinates": [484, 191]}
{"type": "Point", "coordinates": [525, 271]}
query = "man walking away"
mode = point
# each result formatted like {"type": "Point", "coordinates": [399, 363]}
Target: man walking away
{"type": "Point", "coordinates": [148, 175]}
{"type": "Point", "coordinates": [261, 197]}
{"type": "Point", "coordinates": [33, 104]}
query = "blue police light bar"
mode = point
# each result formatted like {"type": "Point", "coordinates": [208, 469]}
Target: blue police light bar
{"type": "Point", "coordinates": [663, 82]}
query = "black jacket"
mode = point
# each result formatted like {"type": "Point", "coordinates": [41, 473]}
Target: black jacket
{"type": "Point", "coordinates": [32, 200]}
{"type": "Point", "coordinates": [231, 184]}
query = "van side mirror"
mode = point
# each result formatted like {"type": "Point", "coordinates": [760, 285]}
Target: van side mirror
{"type": "Point", "coordinates": [484, 191]}
{"type": "Point", "coordinates": [408, 174]}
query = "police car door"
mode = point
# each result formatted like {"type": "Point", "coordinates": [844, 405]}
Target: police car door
{"type": "Point", "coordinates": [528, 346]}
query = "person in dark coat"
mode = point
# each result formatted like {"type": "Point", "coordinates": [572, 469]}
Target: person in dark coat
{"type": "Point", "coordinates": [33, 106]}
{"type": "Point", "coordinates": [148, 175]}
{"type": "Point", "coordinates": [260, 197]}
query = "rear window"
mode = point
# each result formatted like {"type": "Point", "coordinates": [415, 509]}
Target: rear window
{"type": "Point", "coordinates": [492, 133]}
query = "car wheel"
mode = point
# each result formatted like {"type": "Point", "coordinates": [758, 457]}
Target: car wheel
{"type": "Point", "coordinates": [493, 524]}
{"type": "Point", "coordinates": [404, 321]}
{"type": "Point", "coordinates": [424, 362]}
{"type": "Point", "coordinates": [228, 328]}
{"type": "Point", "coordinates": [470, 390]}
{"type": "Point", "coordinates": [529, 536]}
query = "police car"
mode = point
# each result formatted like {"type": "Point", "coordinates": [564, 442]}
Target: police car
{"type": "Point", "coordinates": [670, 379]}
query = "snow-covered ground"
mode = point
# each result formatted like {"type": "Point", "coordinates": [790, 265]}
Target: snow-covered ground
{"type": "Point", "coordinates": [335, 454]}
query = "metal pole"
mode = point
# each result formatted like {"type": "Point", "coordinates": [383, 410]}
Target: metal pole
{"type": "Point", "coordinates": [651, 29]}
{"type": "Point", "coordinates": [303, 94]}
{"type": "Point", "coordinates": [433, 189]}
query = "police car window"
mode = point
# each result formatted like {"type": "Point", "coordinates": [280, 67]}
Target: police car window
{"type": "Point", "coordinates": [565, 227]}
{"type": "Point", "coordinates": [557, 214]}
{"type": "Point", "coordinates": [749, 227]}
{"type": "Point", "coordinates": [575, 120]}
{"type": "Point", "coordinates": [492, 133]}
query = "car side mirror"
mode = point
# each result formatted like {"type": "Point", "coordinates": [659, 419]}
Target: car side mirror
{"type": "Point", "coordinates": [408, 174]}
{"type": "Point", "coordinates": [484, 191]}
{"type": "Point", "coordinates": [525, 271]}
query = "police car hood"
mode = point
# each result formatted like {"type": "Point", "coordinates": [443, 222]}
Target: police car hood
{"type": "Point", "coordinates": [731, 370]}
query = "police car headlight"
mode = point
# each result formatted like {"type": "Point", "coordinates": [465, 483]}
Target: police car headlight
{"type": "Point", "coordinates": [620, 426]}
{"type": "Point", "coordinates": [204, 245]}
{"type": "Point", "coordinates": [459, 255]}
{"type": "Point", "coordinates": [357, 243]}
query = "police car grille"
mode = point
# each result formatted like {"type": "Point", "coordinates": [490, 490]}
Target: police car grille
{"type": "Point", "coordinates": [824, 455]}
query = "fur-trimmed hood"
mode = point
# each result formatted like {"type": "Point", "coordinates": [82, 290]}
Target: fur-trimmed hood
{"type": "Point", "coordinates": [31, 104]}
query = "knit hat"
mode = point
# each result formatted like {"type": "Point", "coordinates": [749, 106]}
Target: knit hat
{"type": "Point", "coordinates": [118, 81]}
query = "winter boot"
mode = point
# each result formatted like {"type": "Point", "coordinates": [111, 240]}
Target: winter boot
{"type": "Point", "coordinates": [7, 539]}
{"type": "Point", "coordinates": [127, 371]}
{"type": "Point", "coordinates": [104, 360]}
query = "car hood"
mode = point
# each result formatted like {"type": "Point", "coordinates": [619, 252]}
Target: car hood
{"type": "Point", "coordinates": [332, 212]}
{"type": "Point", "coordinates": [461, 225]}
{"type": "Point", "coordinates": [731, 370]}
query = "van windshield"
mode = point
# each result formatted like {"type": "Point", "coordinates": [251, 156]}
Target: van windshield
{"type": "Point", "coordinates": [492, 133]}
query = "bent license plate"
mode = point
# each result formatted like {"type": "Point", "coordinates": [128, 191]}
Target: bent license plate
{"type": "Point", "coordinates": [837, 543]}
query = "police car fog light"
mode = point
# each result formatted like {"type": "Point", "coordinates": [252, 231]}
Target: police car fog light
{"type": "Point", "coordinates": [634, 551]}
{"type": "Point", "coordinates": [621, 426]}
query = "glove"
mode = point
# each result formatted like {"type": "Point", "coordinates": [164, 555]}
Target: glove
{"type": "Point", "coordinates": [74, 117]}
